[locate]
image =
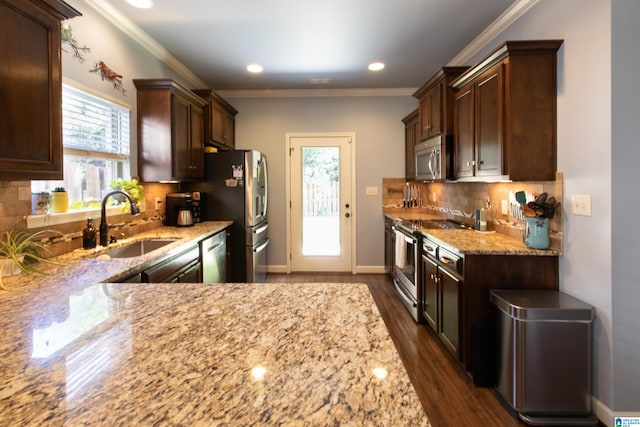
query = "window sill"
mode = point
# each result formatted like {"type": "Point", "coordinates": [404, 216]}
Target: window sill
{"type": "Point", "coordinates": [37, 221]}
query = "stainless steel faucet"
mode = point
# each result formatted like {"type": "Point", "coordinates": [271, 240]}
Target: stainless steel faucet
{"type": "Point", "coordinates": [104, 227]}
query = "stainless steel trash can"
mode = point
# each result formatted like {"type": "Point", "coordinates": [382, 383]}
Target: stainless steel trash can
{"type": "Point", "coordinates": [544, 356]}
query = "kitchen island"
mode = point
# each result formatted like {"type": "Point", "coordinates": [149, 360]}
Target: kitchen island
{"type": "Point", "coordinates": [200, 355]}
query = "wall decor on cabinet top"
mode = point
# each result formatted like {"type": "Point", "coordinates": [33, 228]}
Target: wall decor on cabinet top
{"type": "Point", "coordinates": [69, 39]}
{"type": "Point", "coordinates": [31, 104]}
{"type": "Point", "coordinates": [505, 114]}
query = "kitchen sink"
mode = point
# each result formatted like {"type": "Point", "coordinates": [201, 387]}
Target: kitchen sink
{"type": "Point", "coordinates": [138, 248]}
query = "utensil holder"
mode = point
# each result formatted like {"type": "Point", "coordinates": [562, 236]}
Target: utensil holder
{"type": "Point", "coordinates": [536, 233]}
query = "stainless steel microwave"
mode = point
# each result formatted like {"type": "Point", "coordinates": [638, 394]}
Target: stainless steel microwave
{"type": "Point", "coordinates": [429, 159]}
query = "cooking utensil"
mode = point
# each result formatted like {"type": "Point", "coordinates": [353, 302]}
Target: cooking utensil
{"type": "Point", "coordinates": [541, 199]}
{"type": "Point", "coordinates": [521, 197]}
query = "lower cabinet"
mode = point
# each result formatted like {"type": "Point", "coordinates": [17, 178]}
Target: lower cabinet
{"type": "Point", "coordinates": [455, 297]}
{"type": "Point", "coordinates": [389, 246]}
{"type": "Point", "coordinates": [182, 268]}
{"type": "Point", "coordinates": [441, 298]}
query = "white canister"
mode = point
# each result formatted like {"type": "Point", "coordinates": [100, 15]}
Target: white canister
{"type": "Point", "coordinates": [40, 203]}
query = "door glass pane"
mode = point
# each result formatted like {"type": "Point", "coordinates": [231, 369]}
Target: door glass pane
{"type": "Point", "coordinates": [320, 201]}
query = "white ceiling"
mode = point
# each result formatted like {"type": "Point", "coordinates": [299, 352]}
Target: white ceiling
{"type": "Point", "coordinates": [297, 41]}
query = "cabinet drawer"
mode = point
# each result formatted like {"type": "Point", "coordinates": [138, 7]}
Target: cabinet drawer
{"type": "Point", "coordinates": [160, 273]}
{"type": "Point", "coordinates": [451, 262]}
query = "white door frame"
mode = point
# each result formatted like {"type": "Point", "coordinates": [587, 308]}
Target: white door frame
{"type": "Point", "coordinates": [287, 156]}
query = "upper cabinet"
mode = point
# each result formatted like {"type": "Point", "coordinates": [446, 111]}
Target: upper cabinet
{"type": "Point", "coordinates": [31, 88]}
{"type": "Point", "coordinates": [170, 131]}
{"type": "Point", "coordinates": [505, 114]}
{"type": "Point", "coordinates": [411, 124]}
{"type": "Point", "coordinates": [435, 103]}
{"type": "Point", "coordinates": [220, 120]}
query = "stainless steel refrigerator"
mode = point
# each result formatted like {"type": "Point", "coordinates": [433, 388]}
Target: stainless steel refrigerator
{"type": "Point", "coordinates": [235, 189]}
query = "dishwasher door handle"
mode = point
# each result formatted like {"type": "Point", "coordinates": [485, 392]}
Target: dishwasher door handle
{"type": "Point", "coordinates": [214, 247]}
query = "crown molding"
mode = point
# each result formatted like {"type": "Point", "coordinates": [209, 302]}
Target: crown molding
{"type": "Point", "coordinates": [136, 33]}
{"type": "Point", "coordinates": [311, 93]}
{"type": "Point", "coordinates": [508, 17]}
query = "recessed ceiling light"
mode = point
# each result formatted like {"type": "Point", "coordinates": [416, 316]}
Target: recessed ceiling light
{"type": "Point", "coordinates": [141, 4]}
{"type": "Point", "coordinates": [376, 66]}
{"type": "Point", "coordinates": [254, 68]}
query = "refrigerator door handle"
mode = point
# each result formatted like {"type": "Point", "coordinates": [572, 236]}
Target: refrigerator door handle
{"type": "Point", "coordinates": [264, 178]}
{"type": "Point", "coordinates": [262, 246]}
{"type": "Point", "coordinates": [261, 229]}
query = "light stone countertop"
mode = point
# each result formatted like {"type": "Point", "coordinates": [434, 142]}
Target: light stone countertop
{"type": "Point", "coordinates": [472, 242]}
{"type": "Point", "coordinates": [79, 352]}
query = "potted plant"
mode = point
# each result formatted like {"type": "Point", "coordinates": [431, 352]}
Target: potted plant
{"type": "Point", "coordinates": [20, 250]}
{"type": "Point", "coordinates": [131, 187]}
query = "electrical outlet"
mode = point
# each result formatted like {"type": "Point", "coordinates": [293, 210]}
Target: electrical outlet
{"type": "Point", "coordinates": [581, 204]}
{"type": "Point", "coordinates": [505, 207]}
{"type": "Point", "coordinates": [371, 191]}
{"type": "Point", "coordinates": [156, 203]}
{"type": "Point", "coordinates": [434, 197]}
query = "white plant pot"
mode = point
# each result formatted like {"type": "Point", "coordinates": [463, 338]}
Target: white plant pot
{"type": "Point", "coordinates": [9, 267]}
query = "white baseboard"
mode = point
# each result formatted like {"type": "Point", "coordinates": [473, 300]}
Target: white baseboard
{"type": "Point", "coordinates": [370, 269]}
{"type": "Point", "coordinates": [602, 412]}
{"type": "Point", "coordinates": [360, 269]}
{"type": "Point", "coordinates": [276, 268]}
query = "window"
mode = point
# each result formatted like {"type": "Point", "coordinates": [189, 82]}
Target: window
{"type": "Point", "coordinates": [96, 140]}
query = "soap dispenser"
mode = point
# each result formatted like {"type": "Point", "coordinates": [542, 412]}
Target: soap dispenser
{"type": "Point", "coordinates": [89, 235]}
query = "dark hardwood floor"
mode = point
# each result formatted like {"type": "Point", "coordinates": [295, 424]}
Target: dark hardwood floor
{"type": "Point", "coordinates": [448, 395]}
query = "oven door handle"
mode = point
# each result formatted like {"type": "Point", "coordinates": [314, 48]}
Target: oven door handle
{"type": "Point", "coordinates": [402, 295]}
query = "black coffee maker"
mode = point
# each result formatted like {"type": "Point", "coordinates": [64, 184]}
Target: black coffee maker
{"type": "Point", "coordinates": [179, 210]}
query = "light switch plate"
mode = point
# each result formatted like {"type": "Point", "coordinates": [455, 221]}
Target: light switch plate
{"type": "Point", "coordinates": [505, 207]}
{"type": "Point", "coordinates": [581, 204]}
{"type": "Point", "coordinates": [371, 191]}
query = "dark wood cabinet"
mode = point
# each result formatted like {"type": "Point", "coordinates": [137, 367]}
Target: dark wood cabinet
{"type": "Point", "coordinates": [410, 138]}
{"type": "Point", "coordinates": [170, 131]}
{"type": "Point", "coordinates": [220, 120]}
{"type": "Point", "coordinates": [435, 103]}
{"type": "Point", "coordinates": [389, 246]}
{"type": "Point", "coordinates": [31, 88]}
{"type": "Point", "coordinates": [430, 293]}
{"type": "Point", "coordinates": [505, 114]}
{"type": "Point", "coordinates": [441, 285]}
{"type": "Point", "coordinates": [455, 292]}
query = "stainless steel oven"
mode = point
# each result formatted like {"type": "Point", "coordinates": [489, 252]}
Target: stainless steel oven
{"type": "Point", "coordinates": [406, 269]}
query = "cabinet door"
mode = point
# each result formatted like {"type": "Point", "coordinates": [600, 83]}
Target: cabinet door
{"type": "Point", "coordinates": [192, 274]}
{"type": "Point", "coordinates": [30, 93]}
{"type": "Point", "coordinates": [196, 145]}
{"type": "Point", "coordinates": [488, 125]}
{"type": "Point", "coordinates": [430, 105]}
{"type": "Point", "coordinates": [430, 292]}
{"type": "Point", "coordinates": [181, 122]}
{"type": "Point", "coordinates": [435, 111]}
{"type": "Point", "coordinates": [218, 121]}
{"type": "Point", "coordinates": [230, 131]}
{"type": "Point", "coordinates": [451, 310]}
{"type": "Point", "coordinates": [464, 152]}
{"type": "Point", "coordinates": [409, 149]}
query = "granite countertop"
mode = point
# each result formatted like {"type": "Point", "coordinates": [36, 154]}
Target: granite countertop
{"type": "Point", "coordinates": [77, 350]}
{"type": "Point", "coordinates": [472, 242]}
{"type": "Point", "coordinates": [81, 267]}
{"type": "Point", "coordinates": [201, 355]}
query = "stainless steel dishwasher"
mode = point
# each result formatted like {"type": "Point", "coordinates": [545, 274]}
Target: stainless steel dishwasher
{"type": "Point", "coordinates": [213, 254]}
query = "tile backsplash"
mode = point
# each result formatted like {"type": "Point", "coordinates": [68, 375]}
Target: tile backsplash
{"type": "Point", "coordinates": [459, 201]}
{"type": "Point", "coordinates": [15, 206]}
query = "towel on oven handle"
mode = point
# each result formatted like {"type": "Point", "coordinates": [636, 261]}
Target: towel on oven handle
{"type": "Point", "coordinates": [401, 250]}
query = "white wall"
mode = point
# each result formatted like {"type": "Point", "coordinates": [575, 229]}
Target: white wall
{"type": "Point", "coordinates": [119, 52]}
{"type": "Point", "coordinates": [625, 59]}
{"type": "Point", "coordinates": [598, 267]}
{"type": "Point", "coordinates": [263, 122]}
